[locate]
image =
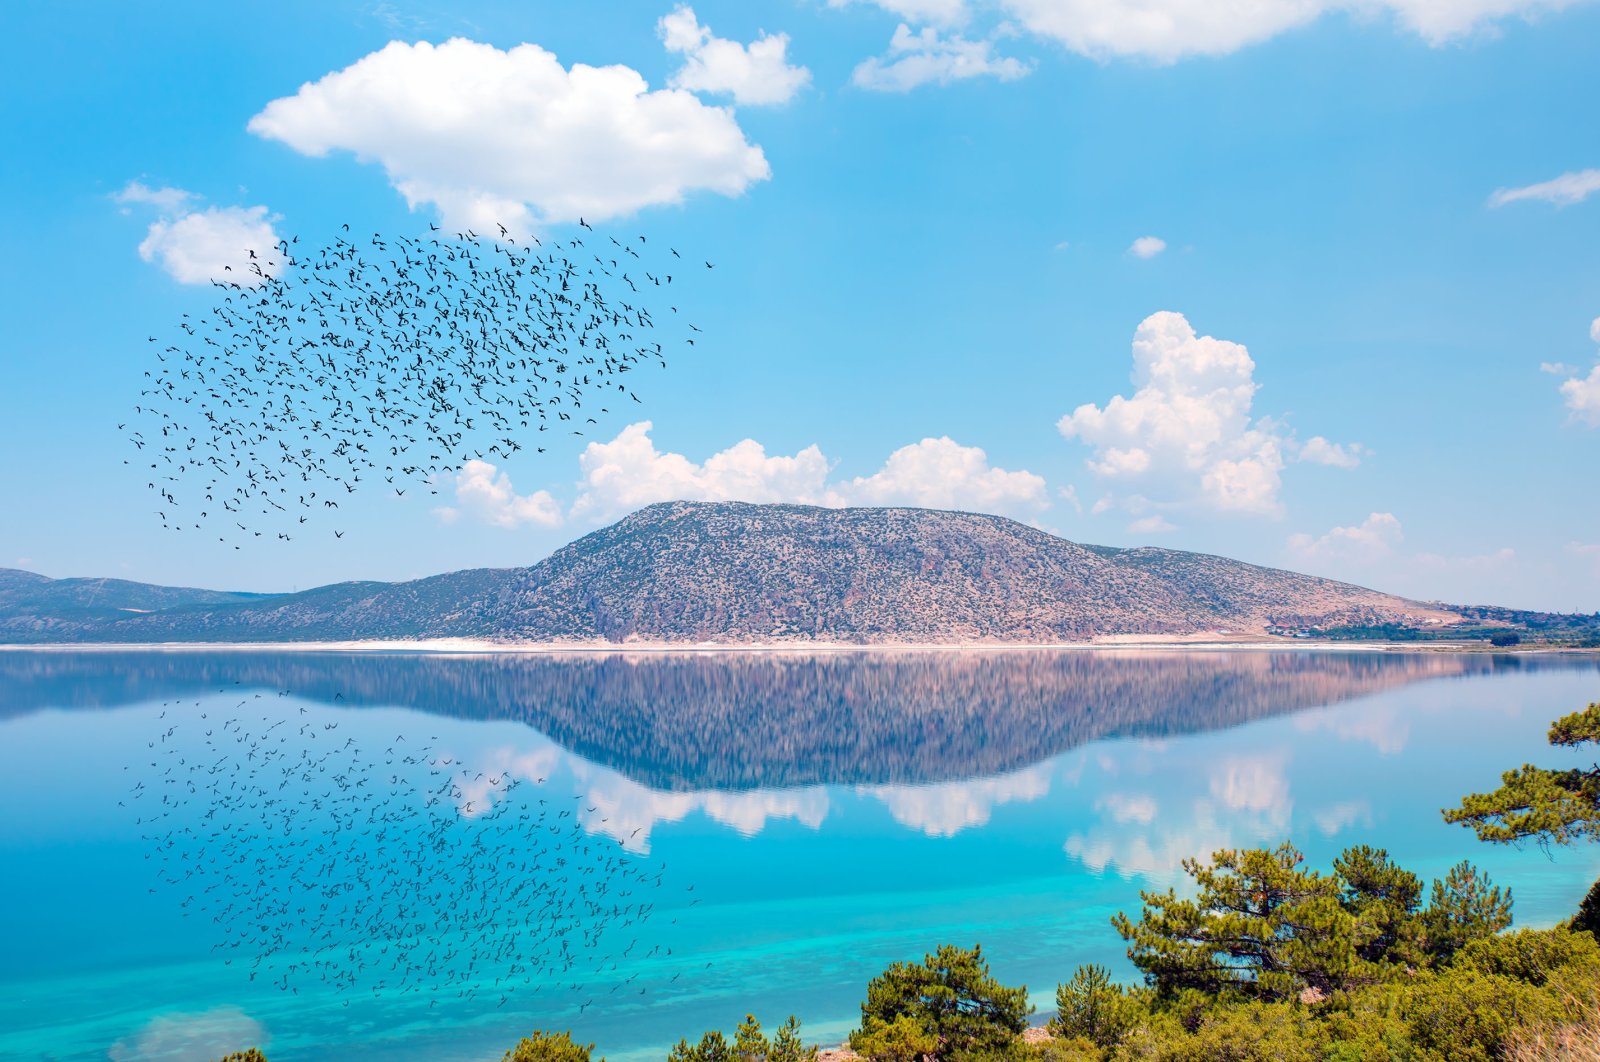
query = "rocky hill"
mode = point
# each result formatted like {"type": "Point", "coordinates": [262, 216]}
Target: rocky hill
{"type": "Point", "coordinates": [736, 573]}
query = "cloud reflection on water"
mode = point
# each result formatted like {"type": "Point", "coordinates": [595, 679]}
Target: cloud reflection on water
{"type": "Point", "coordinates": [1179, 813]}
{"type": "Point", "coordinates": [198, 1037]}
{"type": "Point", "coordinates": [613, 805]}
{"type": "Point", "coordinates": [945, 809]}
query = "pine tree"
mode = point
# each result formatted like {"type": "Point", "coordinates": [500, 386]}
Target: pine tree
{"type": "Point", "coordinates": [1464, 907]}
{"type": "Point", "coordinates": [1092, 1007]}
{"type": "Point", "coordinates": [787, 1046]}
{"type": "Point", "coordinates": [749, 1045]}
{"type": "Point", "coordinates": [1537, 803]}
{"type": "Point", "coordinates": [951, 997]}
{"type": "Point", "coordinates": [541, 1046]}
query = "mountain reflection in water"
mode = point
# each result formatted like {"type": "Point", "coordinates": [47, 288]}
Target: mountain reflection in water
{"type": "Point", "coordinates": [696, 721]}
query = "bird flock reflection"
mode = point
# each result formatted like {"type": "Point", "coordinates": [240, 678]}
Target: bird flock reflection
{"type": "Point", "coordinates": [387, 868]}
{"type": "Point", "coordinates": [391, 362]}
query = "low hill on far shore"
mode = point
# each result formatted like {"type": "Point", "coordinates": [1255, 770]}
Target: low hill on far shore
{"type": "Point", "coordinates": [738, 574]}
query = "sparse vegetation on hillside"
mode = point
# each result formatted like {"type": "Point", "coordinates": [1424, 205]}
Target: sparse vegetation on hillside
{"type": "Point", "coordinates": [738, 573]}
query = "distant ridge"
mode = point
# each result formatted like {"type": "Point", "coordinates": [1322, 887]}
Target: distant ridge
{"type": "Point", "coordinates": [737, 573]}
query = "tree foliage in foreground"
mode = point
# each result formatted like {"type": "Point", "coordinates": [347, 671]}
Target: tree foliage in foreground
{"type": "Point", "coordinates": [960, 1010]}
{"type": "Point", "coordinates": [249, 1054]}
{"type": "Point", "coordinates": [1261, 926]}
{"type": "Point", "coordinates": [750, 1044]}
{"type": "Point", "coordinates": [1538, 803]}
{"type": "Point", "coordinates": [549, 1047]}
{"type": "Point", "coordinates": [1491, 995]}
{"type": "Point", "coordinates": [1269, 961]}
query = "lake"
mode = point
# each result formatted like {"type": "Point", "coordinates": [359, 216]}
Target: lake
{"type": "Point", "coordinates": [425, 856]}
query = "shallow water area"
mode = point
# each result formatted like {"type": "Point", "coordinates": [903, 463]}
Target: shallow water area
{"type": "Point", "coordinates": [424, 856]}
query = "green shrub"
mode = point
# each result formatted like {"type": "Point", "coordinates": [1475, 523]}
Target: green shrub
{"type": "Point", "coordinates": [1530, 955]}
{"type": "Point", "coordinates": [902, 1038]}
{"type": "Point", "coordinates": [1467, 1016]}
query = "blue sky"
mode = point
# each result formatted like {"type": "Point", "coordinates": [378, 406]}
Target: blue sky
{"type": "Point", "coordinates": [1349, 250]}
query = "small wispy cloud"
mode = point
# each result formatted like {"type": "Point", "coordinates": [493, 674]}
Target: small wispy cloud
{"type": "Point", "coordinates": [1319, 451]}
{"type": "Point", "coordinates": [927, 57]}
{"type": "Point", "coordinates": [1565, 190]}
{"type": "Point", "coordinates": [1147, 246]}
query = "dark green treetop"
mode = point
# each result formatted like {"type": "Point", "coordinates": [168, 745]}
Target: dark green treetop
{"type": "Point", "coordinates": [541, 1046]}
{"type": "Point", "coordinates": [713, 1047]}
{"type": "Point", "coordinates": [1093, 1008]}
{"type": "Point", "coordinates": [787, 1045]}
{"type": "Point", "coordinates": [951, 998]}
{"type": "Point", "coordinates": [1262, 927]}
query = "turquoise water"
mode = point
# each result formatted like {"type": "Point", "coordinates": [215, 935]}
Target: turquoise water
{"type": "Point", "coordinates": [365, 835]}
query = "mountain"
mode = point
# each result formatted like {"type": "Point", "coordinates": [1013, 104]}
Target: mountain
{"type": "Point", "coordinates": [729, 572]}
{"type": "Point", "coordinates": [94, 601]}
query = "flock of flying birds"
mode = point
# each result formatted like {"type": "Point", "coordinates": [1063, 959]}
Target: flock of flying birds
{"type": "Point", "coordinates": [382, 870]}
{"type": "Point", "coordinates": [388, 363]}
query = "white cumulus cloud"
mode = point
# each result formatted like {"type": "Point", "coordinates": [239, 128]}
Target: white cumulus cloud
{"type": "Point", "coordinates": [1319, 451]}
{"type": "Point", "coordinates": [166, 200]}
{"type": "Point", "coordinates": [215, 244]}
{"type": "Point", "coordinates": [1186, 436]}
{"type": "Point", "coordinates": [922, 57]}
{"type": "Point", "coordinates": [1154, 524]}
{"type": "Point", "coordinates": [1373, 539]}
{"type": "Point", "coordinates": [754, 73]}
{"type": "Point", "coordinates": [1147, 246]}
{"type": "Point", "coordinates": [513, 136]}
{"type": "Point", "coordinates": [1166, 31]}
{"type": "Point", "coordinates": [1581, 394]}
{"type": "Point", "coordinates": [1565, 190]}
{"type": "Point", "coordinates": [237, 244]}
{"type": "Point", "coordinates": [937, 12]}
{"type": "Point", "coordinates": [942, 474]}
{"type": "Point", "coordinates": [485, 492]}
{"type": "Point", "coordinates": [629, 472]}
{"type": "Point", "coordinates": [1163, 30]}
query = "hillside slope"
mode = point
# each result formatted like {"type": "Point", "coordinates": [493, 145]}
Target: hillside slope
{"type": "Point", "coordinates": [732, 572]}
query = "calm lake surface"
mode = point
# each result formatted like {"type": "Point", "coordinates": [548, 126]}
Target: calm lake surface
{"type": "Point", "coordinates": [413, 856]}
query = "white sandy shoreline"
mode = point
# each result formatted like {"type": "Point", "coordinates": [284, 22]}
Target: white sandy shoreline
{"type": "Point", "coordinates": [484, 647]}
